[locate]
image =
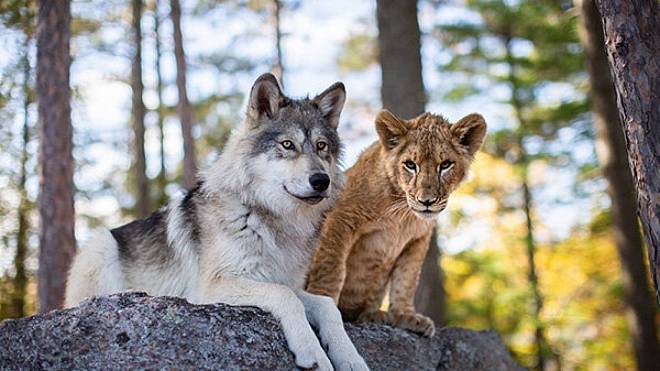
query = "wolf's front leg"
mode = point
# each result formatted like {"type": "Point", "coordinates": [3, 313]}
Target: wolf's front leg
{"type": "Point", "coordinates": [324, 315]}
{"type": "Point", "coordinates": [282, 303]}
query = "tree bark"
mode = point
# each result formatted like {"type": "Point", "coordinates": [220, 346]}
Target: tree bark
{"type": "Point", "coordinates": [20, 276]}
{"type": "Point", "coordinates": [539, 333]}
{"type": "Point", "coordinates": [402, 92]}
{"type": "Point", "coordinates": [430, 296]}
{"type": "Point", "coordinates": [162, 174]}
{"type": "Point", "coordinates": [402, 89]}
{"type": "Point", "coordinates": [278, 67]}
{"type": "Point", "coordinates": [633, 44]}
{"type": "Point", "coordinates": [141, 182]}
{"type": "Point", "coordinates": [56, 236]}
{"type": "Point", "coordinates": [184, 108]}
{"type": "Point", "coordinates": [611, 150]}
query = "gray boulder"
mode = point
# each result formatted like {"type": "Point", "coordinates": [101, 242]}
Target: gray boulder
{"type": "Point", "coordinates": [136, 331]}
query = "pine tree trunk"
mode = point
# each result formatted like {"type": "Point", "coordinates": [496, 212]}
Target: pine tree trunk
{"type": "Point", "coordinates": [632, 42]}
{"type": "Point", "coordinates": [141, 182]}
{"type": "Point", "coordinates": [56, 238]}
{"type": "Point", "coordinates": [20, 275]}
{"type": "Point", "coordinates": [278, 68]}
{"type": "Point", "coordinates": [430, 296]}
{"type": "Point", "coordinates": [184, 108]}
{"type": "Point", "coordinates": [402, 92]}
{"type": "Point", "coordinates": [162, 174]}
{"type": "Point", "coordinates": [611, 148]}
{"type": "Point", "coordinates": [527, 206]}
{"type": "Point", "coordinates": [539, 336]}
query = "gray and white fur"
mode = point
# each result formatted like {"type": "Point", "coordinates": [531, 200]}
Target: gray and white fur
{"type": "Point", "coordinates": [245, 235]}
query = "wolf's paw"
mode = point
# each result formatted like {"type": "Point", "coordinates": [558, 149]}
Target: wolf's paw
{"type": "Point", "coordinates": [375, 316]}
{"type": "Point", "coordinates": [413, 321]}
{"type": "Point", "coordinates": [311, 357]}
{"type": "Point", "coordinates": [344, 363]}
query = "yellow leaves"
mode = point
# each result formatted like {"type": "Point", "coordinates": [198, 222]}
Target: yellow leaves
{"type": "Point", "coordinates": [488, 286]}
{"type": "Point", "coordinates": [583, 314]}
{"type": "Point", "coordinates": [490, 172]}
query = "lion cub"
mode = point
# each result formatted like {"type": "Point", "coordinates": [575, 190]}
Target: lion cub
{"type": "Point", "coordinates": [379, 231]}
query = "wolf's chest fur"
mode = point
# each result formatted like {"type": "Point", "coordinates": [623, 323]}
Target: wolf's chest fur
{"type": "Point", "coordinates": [254, 243]}
{"type": "Point", "coordinates": [204, 236]}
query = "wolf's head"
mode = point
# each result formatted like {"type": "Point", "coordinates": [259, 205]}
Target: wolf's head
{"type": "Point", "coordinates": [289, 147]}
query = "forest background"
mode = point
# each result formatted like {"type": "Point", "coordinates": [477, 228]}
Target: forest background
{"type": "Point", "coordinates": [541, 243]}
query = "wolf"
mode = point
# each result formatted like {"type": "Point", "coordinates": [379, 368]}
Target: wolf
{"type": "Point", "coordinates": [246, 234]}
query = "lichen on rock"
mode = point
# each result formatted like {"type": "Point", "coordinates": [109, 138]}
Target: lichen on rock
{"type": "Point", "coordinates": [136, 331]}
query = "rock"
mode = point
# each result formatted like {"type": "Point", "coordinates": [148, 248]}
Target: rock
{"type": "Point", "coordinates": [136, 331]}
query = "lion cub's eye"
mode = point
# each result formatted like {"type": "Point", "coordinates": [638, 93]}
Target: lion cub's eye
{"type": "Point", "coordinates": [445, 165]}
{"type": "Point", "coordinates": [287, 144]}
{"type": "Point", "coordinates": [321, 146]}
{"type": "Point", "coordinates": [410, 165]}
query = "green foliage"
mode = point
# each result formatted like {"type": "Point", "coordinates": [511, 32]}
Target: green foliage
{"type": "Point", "coordinates": [19, 15]}
{"type": "Point", "coordinates": [358, 53]}
{"type": "Point", "coordinates": [460, 92]}
{"type": "Point", "coordinates": [529, 49]}
{"type": "Point", "coordinates": [524, 46]}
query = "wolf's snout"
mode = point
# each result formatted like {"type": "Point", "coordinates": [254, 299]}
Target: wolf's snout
{"type": "Point", "coordinates": [319, 181]}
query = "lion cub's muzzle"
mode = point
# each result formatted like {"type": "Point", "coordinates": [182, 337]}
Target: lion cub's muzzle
{"type": "Point", "coordinates": [427, 206]}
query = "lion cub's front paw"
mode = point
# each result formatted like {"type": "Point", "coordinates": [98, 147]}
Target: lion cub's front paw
{"type": "Point", "coordinates": [375, 316]}
{"type": "Point", "coordinates": [413, 321]}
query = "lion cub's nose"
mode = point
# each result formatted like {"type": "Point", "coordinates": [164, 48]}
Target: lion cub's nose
{"type": "Point", "coordinates": [319, 181]}
{"type": "Point", "coordinates": [427, 201]}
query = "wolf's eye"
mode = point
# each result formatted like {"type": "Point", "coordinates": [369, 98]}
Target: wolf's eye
{"type": "Point", "coordinates": [287, 144]}
{"type": "Point", "coordinates": [410, 165]}
{"type": "Point", "coordinates": [321, 146]}
{"type": "Point", "coordinates": [446, 165]}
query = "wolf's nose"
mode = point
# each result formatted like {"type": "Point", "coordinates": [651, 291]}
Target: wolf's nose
{"type": "Point", "coordinates": [319, 181]}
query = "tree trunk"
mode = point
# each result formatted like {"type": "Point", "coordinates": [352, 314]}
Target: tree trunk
{"type": "Point", "coordinates": [20, 277]}
{"type": "Point", "coordinates": [611, 148]}
{"type": "Point", "coordinates": [633, 45]}
{"type": "Point", "coordinates": [523, 163]}
{"type": "Point", "coordinates": [539, 337]}
{"type": "Point", "coordinates": [278, 68]}
{"type": "Point", "coordinates": [141, 182]}
{"type": "Point", "coordinates": [162, 174]}
{"type": "Point", "coordinates": [402, 92]}
{"type": "Point", "coordinates": [184, 108]}
{"type": "Point", "coordinates": [402, 89]}
{"type": "Point", "coordinates": [430, 293]}
{"type": "Point", "coordinates": [56, 236]}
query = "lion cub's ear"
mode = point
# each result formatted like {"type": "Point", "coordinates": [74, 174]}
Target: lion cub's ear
{"type": "Point", "coordinates": [470, 132]}
{"type": "Point", "coordinates": [390, 128]}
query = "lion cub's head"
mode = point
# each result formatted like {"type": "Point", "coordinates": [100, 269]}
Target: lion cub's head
{"type": "Point", "coordinates": [427, 157]}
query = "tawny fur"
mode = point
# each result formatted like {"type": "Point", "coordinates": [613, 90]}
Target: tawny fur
{"type": "Point", "coordinates": [377, 235]}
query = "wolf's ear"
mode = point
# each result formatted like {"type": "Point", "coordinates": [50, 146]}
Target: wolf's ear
{"type": "Point", "coordinates": [331, 102]}
{"type": "Point", "coordinates": [470, 132]}
{"type": "Point", "coordinates": [390, 128]}
{"type": "Point", "coordinates": [265, 96]}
